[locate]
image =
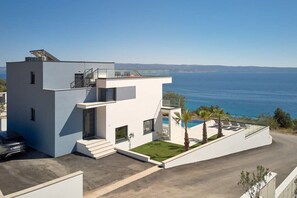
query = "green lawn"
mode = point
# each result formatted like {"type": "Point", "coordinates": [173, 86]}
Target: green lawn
{"type": "Point", "coordinates": [159, 150]}
{"type": "Point", "coordinates": [211, 138]}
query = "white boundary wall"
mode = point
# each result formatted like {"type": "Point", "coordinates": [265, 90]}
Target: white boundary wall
{"type": "Point", "coordinates": [68, 186]}
{"type": "Point", "coordinates": [223, 146]}
{"type": "Point", "coordinates": [287, 187]}
{"type": "Point", "coordinates": [267, 189]}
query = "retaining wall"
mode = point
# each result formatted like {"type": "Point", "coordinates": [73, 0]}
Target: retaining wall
{"type": "Point", "coordinates": [226, 145]}
{"type": "Point", "coordinates": [68, 186]}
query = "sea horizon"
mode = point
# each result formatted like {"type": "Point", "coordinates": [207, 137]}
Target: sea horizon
{"type": "Point", "coordinates": [241, 91]}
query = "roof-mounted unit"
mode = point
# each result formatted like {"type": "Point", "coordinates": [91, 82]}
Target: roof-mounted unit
{"type": "Point", "coordinates": [41, 55]}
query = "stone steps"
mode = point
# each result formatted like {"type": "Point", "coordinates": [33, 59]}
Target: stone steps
{"type": "Point", "coordinates": [95, 148]}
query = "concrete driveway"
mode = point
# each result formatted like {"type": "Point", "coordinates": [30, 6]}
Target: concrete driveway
{"type": "Point", "coordinates": [24, 171]}
{"type": "Point", "coordinates": [216, 178]}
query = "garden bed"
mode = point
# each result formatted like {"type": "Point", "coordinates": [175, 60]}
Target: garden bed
{"type": "Point", "coordinates": [160, 150]}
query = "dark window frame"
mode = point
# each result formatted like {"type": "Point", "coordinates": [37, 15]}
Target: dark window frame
{"type": "Point", "coordinates": [103, 94]}
{"type": "Point", "coordinates": [33, 114]}
{"type": "Point", "coordinates": [151, 127]}
{"type": "Point", "coordinates": [123, 139]}
{"type": "Point", "coordinates": [32, 78]}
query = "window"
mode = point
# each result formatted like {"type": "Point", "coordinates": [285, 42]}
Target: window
{"type": "Point", "coordinates": [32, 114]}
{"type": "Point", "coordinates": [32, 78]}
{"type": "Point", "coordinates": [105, 95]}
{"type": "Point", "coordinates": [148, 126]}
{"type": "Point", "coordinates": [121, 134]}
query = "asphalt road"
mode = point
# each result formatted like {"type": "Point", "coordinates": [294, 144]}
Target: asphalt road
{"type": "Point", "coordinates": [217, 177]}
{"type": "Point", "coordinates": [33, 168]}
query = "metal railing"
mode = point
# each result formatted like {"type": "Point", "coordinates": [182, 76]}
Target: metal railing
{"type": "Point", "coordinates": [123, 73]}
{"type": "Point", "coordinates": [171, 102]}
{"type": "Point", "coordinates": [90, 75]}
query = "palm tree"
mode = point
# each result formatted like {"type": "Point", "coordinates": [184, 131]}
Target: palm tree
{"type": "Point", "coordinates": [204, 115]}
{"type": "Point", "coordinates": [185, 117]}
{"type": "Point", "coordinates": [219, 113]}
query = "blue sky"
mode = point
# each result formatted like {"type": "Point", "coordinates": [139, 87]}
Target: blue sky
{"type": "Point", "coordinates": [224, 32]}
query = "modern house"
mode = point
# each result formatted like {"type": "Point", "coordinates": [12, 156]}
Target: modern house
{"type": "Point", "coordinates": [65, 106]}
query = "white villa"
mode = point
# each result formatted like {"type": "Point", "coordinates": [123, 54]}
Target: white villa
{"type": "Point", "coordinates": [90, 107]}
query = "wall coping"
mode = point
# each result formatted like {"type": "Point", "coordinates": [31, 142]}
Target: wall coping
{"type": "Point", "coordinates": [286, 182]}
{"type": "Point", "coordinates": [134, 155]}
{"type": "Point", "coordinates": [43, 185]}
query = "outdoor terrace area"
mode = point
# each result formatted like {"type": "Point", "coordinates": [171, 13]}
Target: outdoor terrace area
{"type": "Point", "coordinates": [195, 132]}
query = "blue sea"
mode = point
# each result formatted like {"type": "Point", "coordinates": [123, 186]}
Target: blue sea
{"type": "Point", "coordinates": [239, 93]}
{"type": "Point", "coordinates": [248, 91]}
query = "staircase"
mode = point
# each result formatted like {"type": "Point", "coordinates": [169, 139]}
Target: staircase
{"type": "Point", "coordinates": [95, 148]}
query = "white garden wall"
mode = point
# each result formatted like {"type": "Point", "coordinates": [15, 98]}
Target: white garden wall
{"type": "Point", "coordinates": [68, 186]}
{"type": "Point", "coordinates": [267, 189]}
{"type": "Point", "coordinates": [287, 187]}
{"type": "Point", "coordinates": [226, 145]}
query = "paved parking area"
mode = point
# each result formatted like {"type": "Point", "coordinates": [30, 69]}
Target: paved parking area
{"type": "Point", "coordinates": [216, 178]}
{"type": "Point", "coordinates": [33, 168]}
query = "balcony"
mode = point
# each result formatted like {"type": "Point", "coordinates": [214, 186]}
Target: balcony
{"type": "Point", "coordinates": [170, 103]}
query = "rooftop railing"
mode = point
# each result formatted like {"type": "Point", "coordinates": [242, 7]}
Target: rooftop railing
{"type": "Point", "coordinates": [90, 75]}
{"type": "Point", "coordinates": [123, 73]}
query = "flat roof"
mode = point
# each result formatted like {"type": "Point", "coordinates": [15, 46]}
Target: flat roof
{"type": "Point", "coordinates": [60, 61]}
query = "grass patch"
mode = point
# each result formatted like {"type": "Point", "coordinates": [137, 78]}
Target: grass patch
{"type": "Point", "coordinates": [211, 138]}
{"type": "Point", "coordinates": [159, 150]}
{"type": "Point", "coordinates": [195, 145]}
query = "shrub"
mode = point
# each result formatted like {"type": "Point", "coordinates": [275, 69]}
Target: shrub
{"type": "Point", "coordinates": [268, 120]}
{"type": "Point", "coordinates": [282, 118]}
{"type": "Point", "coordinates": [294, 124]}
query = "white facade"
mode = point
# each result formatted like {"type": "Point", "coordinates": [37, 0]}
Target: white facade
{"type": "Point", "coordinates": [131, 112]}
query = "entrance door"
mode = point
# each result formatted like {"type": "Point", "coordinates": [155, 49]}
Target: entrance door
{"type": "Point", "coordinates": [79, 80]}
{"type": "Point", "coordinates": [88, 123]}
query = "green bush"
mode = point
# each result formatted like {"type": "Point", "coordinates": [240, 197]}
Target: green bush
{"type": "Point", "coordinates": [267, 120]}
{"type": "Point", "coordinates": [282, 118]}
{"type": "Point", "coordinates": [294, 124]}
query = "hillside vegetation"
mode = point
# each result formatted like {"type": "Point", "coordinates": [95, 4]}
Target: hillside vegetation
{"type": "Point", "coordinates": [2, 85]}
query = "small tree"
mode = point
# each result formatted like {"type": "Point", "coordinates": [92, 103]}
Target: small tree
{"type": "Point", "coordinates": [283, 119]}
{"type": "Point", "coordinates": [204, 115]}
{"type": "Point", "coordinates": [251, 182]}
{"type": "Point", "coordinates": [185, 117]}
{"type": "Point", "coordinates": [219, 113]}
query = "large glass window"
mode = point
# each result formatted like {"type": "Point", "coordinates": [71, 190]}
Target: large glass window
{"type": "Point", "coordinates": [121, 134]}
{"type": "Point", "coordinates": [148, 126]}
{"type": "Point", "coordinates": [105, 95]}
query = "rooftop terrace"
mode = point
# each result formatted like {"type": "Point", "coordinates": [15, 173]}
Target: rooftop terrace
{"type": "Point", "coordinates": [89, 76]}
